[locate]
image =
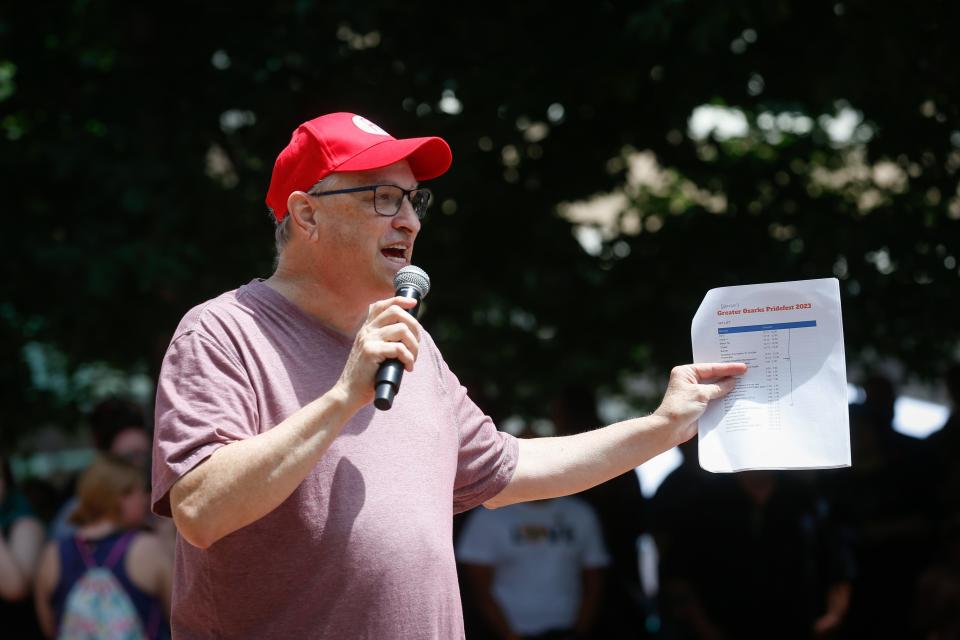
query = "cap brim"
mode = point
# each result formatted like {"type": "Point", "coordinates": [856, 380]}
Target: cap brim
{"type": "Point", "coordinates": [428, 157]}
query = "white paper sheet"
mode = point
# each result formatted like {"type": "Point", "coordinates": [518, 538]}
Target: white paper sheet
{"type": "Point", "coordinates": [789, 411]}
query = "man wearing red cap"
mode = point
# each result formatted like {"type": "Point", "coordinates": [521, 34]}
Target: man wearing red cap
{"type": "Point", "coordinates": [302, 511]}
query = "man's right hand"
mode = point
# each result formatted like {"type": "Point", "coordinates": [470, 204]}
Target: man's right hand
{"type": "Point", "coordinates": [389, 332]}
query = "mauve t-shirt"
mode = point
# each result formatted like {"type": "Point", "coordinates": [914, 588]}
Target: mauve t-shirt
{"type": "Point", "coordinates": [363, 548]}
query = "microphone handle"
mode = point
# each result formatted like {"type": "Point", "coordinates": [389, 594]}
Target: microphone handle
{"type": "Point", "coordinates": [391, 371]}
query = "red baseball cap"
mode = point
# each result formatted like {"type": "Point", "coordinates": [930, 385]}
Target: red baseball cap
{"type": "Point", "coordinates": [347, 142]}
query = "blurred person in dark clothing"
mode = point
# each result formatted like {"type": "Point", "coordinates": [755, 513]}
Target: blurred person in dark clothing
{"type": "Point", "coordinates": [886, 502]}
{"type": "Point", "coordinates": [943, 452]}
{"type": "Point", "coordinates": [879, 410]}
{"type": "Point", "coordinates": [947, 439]}
{"type": "Point", "coordinates": [622, 511]}
{"type": "Point", "coordinates": [952, 380]}
{"type": "Point", "coordinates": [938, 589]}
{"type": "Point", "coordinates": [21, 539]}
{"type": "Point", "coordinates": [118, 426]}
{"type": "Point", "coordinates": [755, 556]}
{"type": "Point", "coordinates": [677, 519]}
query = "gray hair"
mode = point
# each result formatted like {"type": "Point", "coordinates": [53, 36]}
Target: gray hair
{"type": "Point", "coordinates": [281, 233]}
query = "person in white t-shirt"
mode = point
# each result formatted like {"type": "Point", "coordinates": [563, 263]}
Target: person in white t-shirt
{"type": "Point", "coordinates": [535, 569]}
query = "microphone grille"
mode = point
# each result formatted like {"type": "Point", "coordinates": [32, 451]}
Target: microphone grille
{"type": "Point", "coordinates": [414, 277]}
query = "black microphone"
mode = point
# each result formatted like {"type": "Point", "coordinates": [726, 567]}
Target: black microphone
{"type": "Point", "coordinates": [410, 282]}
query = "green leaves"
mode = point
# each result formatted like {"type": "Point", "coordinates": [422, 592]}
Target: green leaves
{"type": "Point", "coordinates": [136, 147]}
{"type": "Point", "coordinates": [8, 72]}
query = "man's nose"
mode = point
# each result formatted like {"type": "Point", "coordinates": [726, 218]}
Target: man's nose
{"type": "Point", "coordinates": [407, 218]}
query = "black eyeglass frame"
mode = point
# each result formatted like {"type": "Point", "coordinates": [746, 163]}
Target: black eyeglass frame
{"type": "Point", "coordinates": [407, 193]}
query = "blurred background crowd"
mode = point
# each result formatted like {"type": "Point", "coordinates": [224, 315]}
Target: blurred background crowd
{"type": "Point", "coordinates": [862, 552]}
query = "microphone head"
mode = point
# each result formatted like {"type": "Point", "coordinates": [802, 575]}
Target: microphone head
{"type": "Point", "coordinates": [411, 276]}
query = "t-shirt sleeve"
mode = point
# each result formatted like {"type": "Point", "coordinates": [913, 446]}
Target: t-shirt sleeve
{"type": "Point", "coordinates": [478, 540]}
{"type": "Point", "coordinates": [487, 457]}
{"type": "Point", "coordinates": [204, 401]}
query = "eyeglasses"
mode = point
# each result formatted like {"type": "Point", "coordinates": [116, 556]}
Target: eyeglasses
{"type": "Point", "coordinates": [388, 198]}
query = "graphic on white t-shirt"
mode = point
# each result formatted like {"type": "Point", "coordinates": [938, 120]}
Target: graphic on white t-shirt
{"type": "Point", "coordinates": [538, 552]}
{"type": "Point", "coordinates": [365, 125]}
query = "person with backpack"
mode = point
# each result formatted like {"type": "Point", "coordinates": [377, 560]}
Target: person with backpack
{"type": "Point", "coordinates": [110, 580]}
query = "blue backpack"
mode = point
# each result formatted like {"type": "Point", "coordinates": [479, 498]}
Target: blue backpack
{"type": "Point", "coordinates": [97, 607]}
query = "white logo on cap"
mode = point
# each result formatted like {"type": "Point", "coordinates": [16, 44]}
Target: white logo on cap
{"type": "Point", "coordinates": [365, 125]}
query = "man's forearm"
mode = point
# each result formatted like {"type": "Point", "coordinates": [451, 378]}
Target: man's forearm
{"type": "Point", "coordinates": [551, 467]}
{"type": "Point", "coordinates": [245, 480]}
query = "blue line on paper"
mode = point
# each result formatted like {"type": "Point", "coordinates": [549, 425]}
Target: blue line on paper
{"type": "Point", "coordinates": [767, 327]}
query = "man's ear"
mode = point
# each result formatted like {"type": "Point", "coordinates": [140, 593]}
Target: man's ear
{"type": "Point", "coordinates": [302, 213]}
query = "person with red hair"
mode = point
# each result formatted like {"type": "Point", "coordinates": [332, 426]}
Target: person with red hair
{"type": "Point", "coordinates": [111, 504]}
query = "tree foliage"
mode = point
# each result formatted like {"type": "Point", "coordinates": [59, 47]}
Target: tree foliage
{"type": "Point", "coordinates": [136, 144]}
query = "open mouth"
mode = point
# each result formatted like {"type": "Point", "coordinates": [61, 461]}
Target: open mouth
{"type": "Point", "coordinates": [395, 253]}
